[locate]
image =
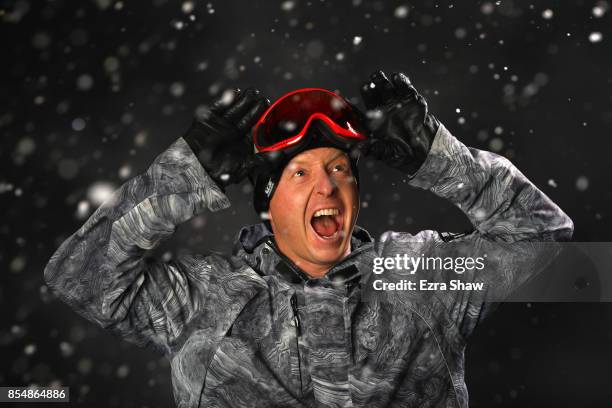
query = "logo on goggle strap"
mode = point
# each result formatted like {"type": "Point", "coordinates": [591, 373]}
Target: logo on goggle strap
{"type": "Point", "coordinates": [269, 188]}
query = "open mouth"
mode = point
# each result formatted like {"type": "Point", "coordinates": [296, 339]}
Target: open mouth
{"type": "Point", "coordinates": [327, 223]}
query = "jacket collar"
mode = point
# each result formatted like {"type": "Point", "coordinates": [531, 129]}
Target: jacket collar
{"type": "Point", "coordinates": [250, 237]}
{"type": "Point", "coordinates": [253, 236]}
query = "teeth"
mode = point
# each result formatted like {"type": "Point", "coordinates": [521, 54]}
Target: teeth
{"type": "Point", "coordinates": [327, 211]}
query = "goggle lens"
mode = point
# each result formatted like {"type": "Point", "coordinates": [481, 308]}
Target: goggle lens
{"type": "Point", "coordinates": [286, 122]}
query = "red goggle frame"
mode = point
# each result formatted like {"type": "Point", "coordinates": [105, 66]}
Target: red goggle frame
{"type": "Point", "coordinates": [287, 120]}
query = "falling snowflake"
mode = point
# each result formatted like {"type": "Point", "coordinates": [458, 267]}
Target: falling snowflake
{"type": "Point", "coordinates": [29, 349]}
{"type": "Point", "coordinates": [595, 37]}
{"type": "Point", "coordinates": [487, 8]}
{"type": "Point", "coordinates": [5, 187]}
{"type": "Point", "coordinates": [85, 82]}
{"type": "Point", "coordinates": [177, 89]}
{"type": "Point", "coordinates": [41, 40]}
{"type": "Point", "coordinates": [460, 33]}
{"type": "Point", "coordinates": [78, 124]}
{"type": "Point", "coordinates": [68, 168]}
{"type": "Point", "coordinates": [287, 5]}
{"type": "Point", "coordinates": [99, 192]}
{"type": "Point", "coordinates": [228, 97]}
{"type": "Point", "coordinates": [496, 144]}
{"type": "Point", "coordinates": [125, 171]}
{"type": "Point", "coordinates": [288, 125]}
{"type": "Point", "coordinates": [582, 183]}
{"type": "Point", "coordinates": [66, 349]}
{"type": "Point", "coordinates": [187, 7]}
{"type": "Point", "coordinates": [111, 64]}
{"type": "Point", "coordinates": [17, 264]}
{"type": "Point", "coordinates": [123, 371]}
{"type": "Point", "coordinates": [600, 9]}
{"type": "Point", "coordinates": [401, 11]}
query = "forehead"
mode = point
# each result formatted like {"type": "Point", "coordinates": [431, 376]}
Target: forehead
{"type": "Point", "coordinates": [320, 155]}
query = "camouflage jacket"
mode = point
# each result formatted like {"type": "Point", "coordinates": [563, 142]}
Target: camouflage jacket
{"type": "Point", "coordinates": [251, 330]}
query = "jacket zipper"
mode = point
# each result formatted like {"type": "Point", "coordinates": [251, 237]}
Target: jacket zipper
{"type": "Point", "coordinates": [296, 316]}
{"type": "Point", "coordinates": [298, 332]}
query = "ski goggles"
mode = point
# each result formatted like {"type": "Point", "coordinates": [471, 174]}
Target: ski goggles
{"type": "Point", "coordinates": [285, 124]}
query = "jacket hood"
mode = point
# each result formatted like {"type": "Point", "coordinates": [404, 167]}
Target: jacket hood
{"type": "Point", "coordinates": [252, 241]}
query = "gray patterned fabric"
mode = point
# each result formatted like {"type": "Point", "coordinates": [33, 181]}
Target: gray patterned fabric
{"type": "Point", "coordinates": [251, 330]}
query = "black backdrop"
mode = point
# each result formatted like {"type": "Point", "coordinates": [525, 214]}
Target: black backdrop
{"type": "Point", "coordinates": [92, 91]}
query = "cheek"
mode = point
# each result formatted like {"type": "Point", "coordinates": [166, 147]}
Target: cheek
{"type": "Point", "coordinates": [355, 206]}
{"type": "Point", "coordinates": [287, 208]}
{"type": "Point", "coordinates": [350, 196]}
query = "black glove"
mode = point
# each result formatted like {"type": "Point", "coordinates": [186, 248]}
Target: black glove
{"type": "Point", "coordinates": [220, 139]}
{"type": "Point", "coordinates": [402, 128]}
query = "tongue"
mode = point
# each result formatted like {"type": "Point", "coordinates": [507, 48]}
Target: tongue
{"type": "Point", "coordinates": [325, 225]}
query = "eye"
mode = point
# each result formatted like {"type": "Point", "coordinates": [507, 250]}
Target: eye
{"type": "Point", "coordinates": [339, 167]}
{"type": "Point", "coordinates": [299, 173]}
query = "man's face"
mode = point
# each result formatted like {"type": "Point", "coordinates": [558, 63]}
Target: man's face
{"type": "Point", "coordinates": [314, 209]}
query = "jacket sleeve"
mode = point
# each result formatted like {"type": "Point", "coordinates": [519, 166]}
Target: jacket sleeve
{"type": "Point", "coordinates": [501, 203]}
{"type": "Point", "coordinates": [101, 270]}
{"type": "Point", "coordinates": [515, 224]}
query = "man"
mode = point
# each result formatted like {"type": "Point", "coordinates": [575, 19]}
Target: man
{"type": "Point", "coordinates": [285, 321]}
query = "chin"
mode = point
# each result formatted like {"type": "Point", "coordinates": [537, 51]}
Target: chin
{"type": "Point", "coordinates": [328, 252]}
{"type": "Point", "coordinates": [328, 257]}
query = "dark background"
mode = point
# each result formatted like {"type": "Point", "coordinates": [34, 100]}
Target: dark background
{"type": "Point", "coordinates": [92, 91]}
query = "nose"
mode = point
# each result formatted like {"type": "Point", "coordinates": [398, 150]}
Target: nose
{"type": "Point", "coordinates": [325, 184]}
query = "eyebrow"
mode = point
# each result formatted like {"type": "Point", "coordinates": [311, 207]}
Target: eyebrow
{"type": "Point", "coordinates": [329, 161]}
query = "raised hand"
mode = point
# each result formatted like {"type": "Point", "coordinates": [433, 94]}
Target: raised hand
{"type": "Point", "coordinates": [220, 138]}
{"type": "Point", "coordinates": [401, 126]}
